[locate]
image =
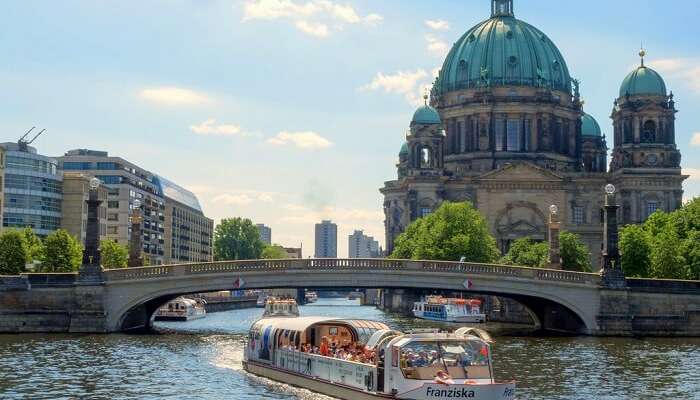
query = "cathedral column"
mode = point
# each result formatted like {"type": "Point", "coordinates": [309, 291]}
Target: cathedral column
{"type": "Point", "coordinates": [635, 127]}
{"type": "Point", "coordinates": [534, 138]}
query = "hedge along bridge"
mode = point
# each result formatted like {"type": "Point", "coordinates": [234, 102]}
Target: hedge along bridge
{"type": "Point", "coordinates": [125, 299]}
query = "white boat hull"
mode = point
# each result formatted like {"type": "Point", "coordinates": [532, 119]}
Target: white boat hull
{"type": "Point", "coordinates": [469, 319]}
{"type": "Point", "coordinates": [432, 391]}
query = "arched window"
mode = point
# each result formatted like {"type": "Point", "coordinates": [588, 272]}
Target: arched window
{"type": "Point", "coordinates": [426, 157]}
{"type": "Point", "coordinates": [649, 132]}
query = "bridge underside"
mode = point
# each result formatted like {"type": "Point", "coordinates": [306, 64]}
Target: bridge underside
{"type": "Point", "coordinates": [547, 316]}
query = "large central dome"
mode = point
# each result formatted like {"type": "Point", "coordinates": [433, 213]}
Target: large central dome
{"type": "Point", "coordinates": [503, 51]}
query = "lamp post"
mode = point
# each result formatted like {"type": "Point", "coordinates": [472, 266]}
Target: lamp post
{"type": "Point", "coordinates": [554, 226]}
{"type": "Point", "coordinates": [611, 268]}
{"type": "Point", "coordinates": [135, 244]}
{"type": "Point", "coordinates": [91, 268]}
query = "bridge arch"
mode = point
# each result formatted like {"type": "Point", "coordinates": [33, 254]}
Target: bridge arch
{"type": "Point", "coordinates": [553, 296]}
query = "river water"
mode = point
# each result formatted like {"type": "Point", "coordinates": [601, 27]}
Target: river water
{"type": "Point", "coordinates": [202, 360]}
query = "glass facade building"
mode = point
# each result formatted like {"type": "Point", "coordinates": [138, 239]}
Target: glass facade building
{"type": "Point", "coordinates": [33, 190]}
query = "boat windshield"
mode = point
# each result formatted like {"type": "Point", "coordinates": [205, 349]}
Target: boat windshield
{"type": "Point", "coordinates": [467, 359]}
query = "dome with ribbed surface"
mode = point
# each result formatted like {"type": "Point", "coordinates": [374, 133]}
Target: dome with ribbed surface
{"type": "Point", "coordinates": [426, 115]}
{"type": "Point", "coordinates": [504, 51]}
{"type": "Point", "coordinates": [643, 81]}
{"type": "Point", "coordinates": [589, 126]}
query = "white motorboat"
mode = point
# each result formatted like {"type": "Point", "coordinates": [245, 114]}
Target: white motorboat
{"type": "Point", "coordinates": [438, 308]}
{"type": "Point", "coordinates": [181, 309]}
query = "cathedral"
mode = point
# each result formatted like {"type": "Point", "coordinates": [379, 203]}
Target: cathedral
{"type": "Point", "coordinates": [504, 128]}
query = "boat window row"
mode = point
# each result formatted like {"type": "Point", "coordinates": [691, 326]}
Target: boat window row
{"type": "Point", "coordinates": [467, 359]}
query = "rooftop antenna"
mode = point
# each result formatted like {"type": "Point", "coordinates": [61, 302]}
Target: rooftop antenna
{"type": "Point", "coordinates": [36, 136]}
{"type": "Point", "coordinates": [23, 143]}
{"type": "Point", "coordinates": [25, 135]}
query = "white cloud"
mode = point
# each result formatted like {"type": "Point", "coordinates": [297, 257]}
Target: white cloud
{"type": "Point", "coordinates": [438, 25]}
{"type": "Point", "coordinates": [239, 197]}
{"type": "Point", "coordinates": [693, 172]}
{"type": "Point", "coordinates": [695, 140]}
{"type": "Point", "coordinates": [209, 127]}
{"type": "Point", "coordinates": [174, 96]}
{"type": "Point", "coordinates": [326, 13]}
{"type": "Point", "coordinates": [343, 216]}
{"type": "Point", "coordinates": [313, 28]}
{"type": "Point", "coordinates": [304, 140]}
{"type": "Point", "coordinates": [436, 46]}
{"type": "Point", "coordinates": [687, 70]}
{"type": "Point", "coordinates": [410, 84]}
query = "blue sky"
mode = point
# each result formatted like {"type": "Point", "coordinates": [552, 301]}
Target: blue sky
{"type": "Point", "coordinates": [290, 111]}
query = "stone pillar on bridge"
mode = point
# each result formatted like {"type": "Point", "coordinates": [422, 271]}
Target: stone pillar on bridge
{"type": "Point", "coordinates": [91, 268]}
{"type": "Point", "coordinates": [554, 227]}
{"type": "Point", "coordinates": [611, 267]}
{"type": "Point", "coordinates": [136, 237]}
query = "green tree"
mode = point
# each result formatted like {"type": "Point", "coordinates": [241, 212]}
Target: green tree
{"type": "Point", "coordinates": [14, 254]}
{"type": "Point", "coordinates": [528, 253]}
{"type": "Point", "coordinates": [237, 239]}
{"type": "Point", "coordinates": [574, 254]}
{"type": "Point", "coordinates": [666, 259]}
{"type": "Point", "coordinates": [636, 248]}
{"type": "Point", "coordinates": [453, 231]}
{"type": "Point", "coordinates": [274, 252]}
{"type": "Point", "coordinates": [62, 252]}
{"type": "Point", "coordinates": [113, 254]}
{"type": "Point", "coordinates": [34, 245]}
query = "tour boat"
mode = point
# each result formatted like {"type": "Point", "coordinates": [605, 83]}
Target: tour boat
{"type": "Point", "coordinates": [438, 308]}
{"type": "Point", "coordinates": [181, 309]}
{"type": "Point", "coordinates": [311, 297]}
{"type": "Point", "coordinates": [385, 364]}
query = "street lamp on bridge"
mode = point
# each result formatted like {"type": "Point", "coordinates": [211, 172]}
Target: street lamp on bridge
{"type": "Point", "coordinates": [135, 239]}
{"type": "Point", "coordinates": [554, 226]}
{"type": "Point", "coordinates": [611, 268]}
{"type": "Point", "coordinates": [91, 268]}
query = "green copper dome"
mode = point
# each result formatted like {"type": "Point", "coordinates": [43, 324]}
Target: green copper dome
{"type": "Point", "coordinates": [643, 81]}
{"type": "Point", "coordinates": [589, 126]}
{"type": "Point", "coordinates": [504, 51]}
{"type": "Point", "coordinates": [426, 115]}
{"type": "Point", "coordinates": [404, 149]}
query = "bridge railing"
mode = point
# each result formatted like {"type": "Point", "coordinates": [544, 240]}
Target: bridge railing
{"type": "Point", "coordinates": [352, 264]}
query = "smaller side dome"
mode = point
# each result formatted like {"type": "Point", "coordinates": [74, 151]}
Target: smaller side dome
{"type": "Point", "coordinates": [404, 149]}
{"type": "Point", "coordinates": [426, 115]}
{"type": "Point", "coordinates": [643, 81]}
{"type": "Point", "coordinates": [589, 126]}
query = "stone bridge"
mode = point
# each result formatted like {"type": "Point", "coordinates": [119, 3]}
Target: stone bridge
{"type": "Point", "coordinates": [126, 299]}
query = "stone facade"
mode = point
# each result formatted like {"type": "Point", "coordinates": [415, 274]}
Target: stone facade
{"type": "Point", "coordinates": [514, 146]}
{"type": "Point", "coordinates": [76, 190]}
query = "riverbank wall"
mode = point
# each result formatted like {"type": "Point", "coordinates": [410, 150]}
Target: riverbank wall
{"type": "Point", "coordinates": [234, 303]}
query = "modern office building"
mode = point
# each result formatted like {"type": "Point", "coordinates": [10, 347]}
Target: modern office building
{"type": "Point", "coordinates": [32, 190]}
{"type": "Point", "coordinates": [174, 227]}
{"type": "Point", "coordinates": [76, 191]}
{"type": "Point", "coordinates": [326, 240]}
{"type": "Point", "coordinates": [188, 233]}
{"type": "Point", "coordinates": [362, 246]}
{"type": "Point", "coordinates": [125, 182]}
{"type": "Point", "coordinates": [265, 233]}
{"type": "Point", "coordinates": [2, 183]}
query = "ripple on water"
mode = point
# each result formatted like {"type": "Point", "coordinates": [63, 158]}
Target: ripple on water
{"type": "Point", "coordinates": [203, 360]}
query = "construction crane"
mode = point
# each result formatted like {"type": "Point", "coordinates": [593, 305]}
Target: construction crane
{"type": "Point", "coordinates": [23, 143]}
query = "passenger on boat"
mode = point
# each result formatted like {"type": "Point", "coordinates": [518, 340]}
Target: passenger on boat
{"type": "Point", "coordinates": [324, 350]}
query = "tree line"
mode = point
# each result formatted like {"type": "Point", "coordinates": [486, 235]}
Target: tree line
{"type": "Point", "coordinates": [238, 239]}
{"type": "Point", "coordinates": [457, 231]}
{"type": "Point", "coordinates": [24, 251]}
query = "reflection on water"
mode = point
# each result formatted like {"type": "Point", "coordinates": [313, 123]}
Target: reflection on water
{"type": "Point", "coordinates": [201, 359]}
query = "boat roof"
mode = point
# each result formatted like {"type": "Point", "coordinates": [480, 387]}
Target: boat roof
{"type": "Point", "coordinates": [302, 323]}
